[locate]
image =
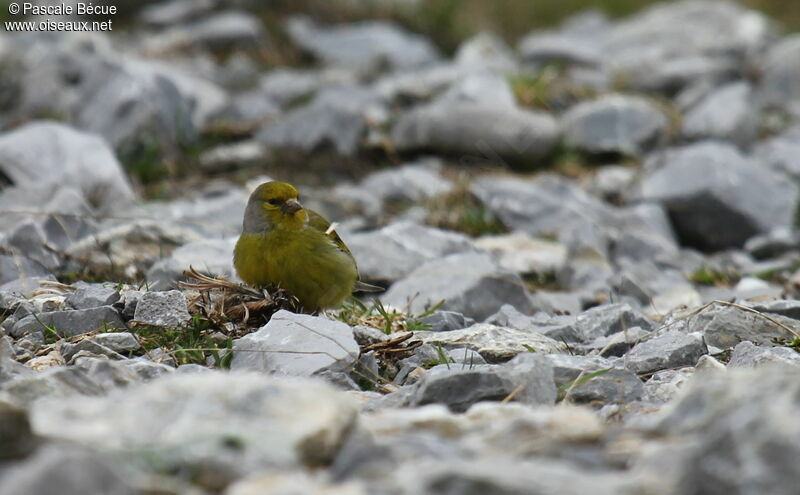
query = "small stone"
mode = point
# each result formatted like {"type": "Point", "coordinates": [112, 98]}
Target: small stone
{"type": "Point", "coordinates": [724, 114]}
{"type": "Point", "coordinates": [91, 296]}
{"type": "Point", "coordinates": [459, 388]}
{"type": "Point", "coordinates": [469, 283]}
{"type": "Point", "coordinates": [495, 344]}
{"type": "Point", "coordinates": [17, 440]}
{"type": "Point", "coordinates": [716, 198]}
{"type": "Point", "coordinates": [122, 342]}
{"type": "Point", "coordinates": [665, 385]}
{"type": "Point", "coordinates": [362, 46]}
{"type": "Point", "coordinates": [748, 355]}
{"type": "Point", "coordinates": [479, 130]}
{"type": "Point", "coordinates": [409, 182]}
{"type": "Point", "coordinates": [614, 124]}
{"type": "Point", "coordinates": [86, 347]}
{"type": "Point", "coordinates": [297, 345]}
{"type": "Point", "coordinates": [521, 253]}
{"type": "Point", "coordinates": [305, 420]}
{"type": "Point", "coordinates": [66, 471]}
{"type": "Point", "coordinates": [398, 249]}
{"type": "Point", "coordinates": [671, 349]}
{"type": "Point", "coordinates": [71, 322]}
{"type": "Point", "coordinates": [166, 309]}
{"type": "Point", "coordinates": [709, 364]}
{"type": "Point", "coordinates": [725, 327]}
{"type": "Point", "coordinates": [444, 321]}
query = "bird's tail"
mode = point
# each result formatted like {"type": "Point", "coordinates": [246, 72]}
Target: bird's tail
{"type": "Point", "coordinates": [365, 287]}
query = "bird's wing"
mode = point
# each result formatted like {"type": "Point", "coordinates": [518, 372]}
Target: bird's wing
{"type": "Point", "coordinates": [318, 222]}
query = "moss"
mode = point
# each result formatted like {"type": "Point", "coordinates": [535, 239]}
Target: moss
{"type": "Point", "coordinates": [197, 343]}
{"type": "Point", "coordinates": [707, 276]}
{"type": "Point", "coordinates": [461, 211]}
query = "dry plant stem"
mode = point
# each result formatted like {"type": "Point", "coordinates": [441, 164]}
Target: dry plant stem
{"type": "Point", "coordinates": [392, 347]}
{"type": "Point", "coordinates": [508, 398]}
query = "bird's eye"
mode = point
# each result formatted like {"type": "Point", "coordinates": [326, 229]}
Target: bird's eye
{"type": "Point", "coordinates": [274, 202]}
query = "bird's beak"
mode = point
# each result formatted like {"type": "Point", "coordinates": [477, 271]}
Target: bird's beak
{"type": "Point", "coordinates": [291, 207]}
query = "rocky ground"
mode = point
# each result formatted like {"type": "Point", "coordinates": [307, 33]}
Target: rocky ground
{"type": "Point", "coordinates": [588, 241]}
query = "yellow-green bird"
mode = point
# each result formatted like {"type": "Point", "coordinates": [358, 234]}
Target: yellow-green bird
{"type": "Point", "coordinates": [293, 247]}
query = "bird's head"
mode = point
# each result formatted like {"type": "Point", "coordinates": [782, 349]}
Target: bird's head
{"type": "Point", "coordinates": [274, 205]}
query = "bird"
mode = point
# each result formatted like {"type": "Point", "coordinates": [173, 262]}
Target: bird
{"type": "Point", "coordinates": [286, 245]}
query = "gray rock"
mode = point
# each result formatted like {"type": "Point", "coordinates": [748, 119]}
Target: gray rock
{"type": "Point", "coordinates": [335, 119]}
{"type": "Point", "coordinates": [748, 355]}
{"type": "Point", "coordinates": [288, 85]}
{"type": "Point", "coordinates": [225, 157]}
{"type": "Point", "coordinates": [162, 309]}
{"type": "Point", "coordinates": [494, 343]}
{"type": "Point", "coordinates": [277, 483]}
{"type": "Point", "coordinates": [68, 471]}
{"type": "Point", "coordinates": [420, 85]}
{"type": "Point", "coordinates": [215, 214]}
{"type": "Point", "coordinates": [14, 267]}
{"type": "Point", "coordinates": [664, 32]}
{"type": "Point", "coordinates": [483, 88]}
{"type": "Point", "coordinates": [597, 322]}
{"type": "Point", "coordinates": [575, 48]}
{"type": "Point", "coordinates": [397, 250]}
{"type": "Point", "coordinates": [616, 344]}
{"type": "Point", "coordinates": [16, 438]}
{"type": "Point", "coordinates": [486, 51]}
{"type": "Point", "coordinates": [617, 386]}
{"type": "Point", "coordinates": [210, 256]}
{"type": "Point", "coordinates": [780, 152]}
{"type": "Point", "coordinates": [70, 350]}
{"type": "Point", "coordinates": [665, 385]}
{"type": "Point", "coordinates": [683, 74]}
{"type": "Point", "coordinates": [508, 316]}
{"type": "Point", "coordinates": [724, 114]}
{"type": "Point", "coordinates": [9, 367]}
{"type": "Point", "coordinates": [138, 109]}
{"type": "Point", "coordinates": [218, 31]}
{"type": "Point", "coordinates": [521, 253]}
{"type": "Point", "coordinates": [305, 420]}
{"type": "Point", "coordinates": [611, 182]}
{"type": "Point", "coordinates": [716, 198]}
{"type": "Point", "coordinates": [117, 341]}
{"type": "Point", "coordinates": [365, 334]}
{"type": "Point", "coordinates": [779, 86]}
{"type": "Point", "coordinates": [88, 296]}
{"type": "Point", "coordinates": [70, 323]}
{"type": "Point", "coordinates": [740, 431]}
{"type": "Point", "coordinates": [567, 367]}
{"type": "Point", "coordinates": [773, 244]}
{"type": "Point", "coordinates": [671, 349]}
{"type": "Point", "coordinates": [410, 182]}
{"type": "Point", "coordinates": [174, 12]}
{"type": "Point", "coordinates": [444, 321]}
{"type": "Point", "coordinates": [363, 46]}
{"type": "Point", "coordinates": [57, 381]}
{"type": "Point", "coordinates": [614, 124]}
{"type": "Point", "coordinates": [459, 388]}
{"type": "Point", "coordinates": [42, 152]}
{"type": "Point", "coordinates": [29, 237]}
{"type": "Point", "coordinates": [784, 307]}
{"type": "Point", "coordinates": [469, 283]}
{"type": "Point", "coordinates": [132, 245]}
{"type": "Point", "coordinates": [725, 327]}
{"type": "Point", "coordinates": [504, 476]}
{"type": "Point", "coordinates": [480, 130]}
{"type": "Point", "coordinates": [298, 345]}
{"type": "Point", "coordinates": [549, 206]}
